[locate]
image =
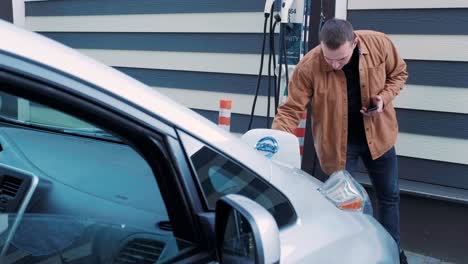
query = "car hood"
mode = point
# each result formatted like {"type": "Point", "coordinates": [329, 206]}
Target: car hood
{"type": "Point", "coordinates": [294, 183]}
{"type": "Point", "coordinates": [321, 229]}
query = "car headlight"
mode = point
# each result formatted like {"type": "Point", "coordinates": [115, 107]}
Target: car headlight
{"type": "Point", "coordinates": [346, 193]}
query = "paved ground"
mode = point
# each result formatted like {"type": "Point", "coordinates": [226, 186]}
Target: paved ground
{"type": "Point", "coordinates": [414, 258]}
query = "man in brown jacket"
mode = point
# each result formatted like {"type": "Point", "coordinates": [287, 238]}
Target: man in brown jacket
{"type": "Point", "coordinates": [350, 80]}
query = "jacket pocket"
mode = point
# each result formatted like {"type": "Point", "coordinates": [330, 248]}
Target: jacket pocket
{"type": "Point", "coordinates": [376, 78]}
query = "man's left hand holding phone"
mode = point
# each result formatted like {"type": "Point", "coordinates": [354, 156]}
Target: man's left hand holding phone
{"type": "Point", "coordinates": [376, 107]}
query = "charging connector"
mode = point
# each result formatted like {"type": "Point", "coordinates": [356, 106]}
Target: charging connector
{"type": "Point", "coordinates": [285, 7]}
{"type": "Point", "coordinates": [268, 7]}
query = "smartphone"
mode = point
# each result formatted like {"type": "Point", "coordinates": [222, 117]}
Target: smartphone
{"type": "Point", "coordinates": [372, 108]}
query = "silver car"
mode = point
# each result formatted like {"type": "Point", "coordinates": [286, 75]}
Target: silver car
{"type": "Point", "coordinates": [96, 167]}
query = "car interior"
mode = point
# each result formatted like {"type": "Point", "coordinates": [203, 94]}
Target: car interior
{"type": "Point", "coordinates": [96, 199]}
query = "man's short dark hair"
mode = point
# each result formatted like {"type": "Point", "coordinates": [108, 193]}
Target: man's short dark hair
{"type": "Point", "coordinates": [335, 32]}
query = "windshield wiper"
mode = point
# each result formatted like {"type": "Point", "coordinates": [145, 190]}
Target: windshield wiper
{"type": "Point", "coordinates": [88, 132]}
{"type": "Point", "coordinates": [91, 132]}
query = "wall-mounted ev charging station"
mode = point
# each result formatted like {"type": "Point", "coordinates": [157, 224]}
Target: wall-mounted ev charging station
{"type": "Point", "coordinates": [299, 23]}
{"type": "Point", "coordinates": [292, 15]}
{"type": "Point", "coordinates": [293, 36]}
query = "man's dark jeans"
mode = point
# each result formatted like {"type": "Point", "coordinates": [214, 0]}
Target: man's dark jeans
{"type": "Point", "coordinates": [383, 174]}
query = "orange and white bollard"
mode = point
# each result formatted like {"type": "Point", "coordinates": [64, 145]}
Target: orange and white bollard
{"type": "Point", "coordinates": [300, 132]}
{"type": "Point", "coordinates": [224, 119]}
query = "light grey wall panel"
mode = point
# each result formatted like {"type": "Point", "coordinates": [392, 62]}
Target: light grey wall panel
{"type": "Point", "coordinates": [405, 4]}
{"type": "Point", "coordinates": [246, 22]}
{"type": "Point", "coordinates": [118, 7]}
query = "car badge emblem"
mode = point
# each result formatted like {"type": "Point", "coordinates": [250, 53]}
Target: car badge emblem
{"type": "Point", "coordinates": [267, 145]}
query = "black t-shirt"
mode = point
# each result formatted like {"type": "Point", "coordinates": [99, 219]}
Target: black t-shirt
{"type": "Point", "coordinates": [356, 131]}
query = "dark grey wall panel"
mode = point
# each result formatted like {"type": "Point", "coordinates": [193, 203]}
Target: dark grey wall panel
{"type": "Point", "coordinates": [430, 171]}
{"type": "Point", "coordinates": [434, 228]}
{"type": "Point", "coordinates": [444, 21]}
{"type": "Point", "coordinates": [116, 7]}
{"type": "Point", "coordinates": [180, 42]}
{"type": "Point", "coordinates": [440, 124]}
{"type": "Point", "coordinates": [6, 10]}
{"type": "Point", "coordinates": [438, 73]}
{"type": "Point", "coordinates": [436, 172]}
{"type": "Point", "coordinates": [203, 81]}
{"type": "Point", "coordinates": [239, 123]}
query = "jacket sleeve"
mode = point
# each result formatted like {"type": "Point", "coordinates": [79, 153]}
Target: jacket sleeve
{"type": "Point", "coordinates": [299, 95]}
{"type": "Point", "coordinates": [395, 68]}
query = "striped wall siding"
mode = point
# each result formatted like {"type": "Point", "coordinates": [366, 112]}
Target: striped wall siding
{"type": "Point", "coordinates": [198, 54]}
{"type": "Point", "coordinates": [432, 110]}
{"type": "Point", "coordinates": [178, 44]}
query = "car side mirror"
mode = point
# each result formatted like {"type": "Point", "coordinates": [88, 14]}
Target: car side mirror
{"type": "Point", "coordinates": [245, 232]}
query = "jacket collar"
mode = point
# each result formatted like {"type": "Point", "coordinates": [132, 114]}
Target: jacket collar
{"type": "Point", "coordinates": [361, 46]}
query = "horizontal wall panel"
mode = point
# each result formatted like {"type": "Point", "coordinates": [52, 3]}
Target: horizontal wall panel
{"type": "Point", "coordinates": [241, 103]}
{"type": "Point", "coordinates": [433, 148]}
{"type": "Point", "coordinates": [412, 21]}
{"type": "Point", "coordinates": [435, 172]}
{"type": "Point", "coordinates": [437, 124]}
{"type": "Point", "coordinates": [203, 81]}
{"type": "Point", "coordinates": [430, 123]}
{"type": "Point", "coordinates": [432, 47]}
{"type": "Point", "coordinates": [438, 73]}
{"type": "Point", "coordinates": [182, 42]}
{"type": "Point", "coordinates": [408, 145]}
{"type": "Point", "coordinates": [239, 123]}
{"type": "Point", "coordinates": [245, 22]}
{"type": "Point", "coordinates": [405, 4]}
{"type": "Point", "coordinates": [6, 11]}
{"type": "Point", "coordinates": [441, 99]}
{"type": "Point", "coordinates": [114, 7]}
{"type": "Point", "coordinates": [428, 171]}
{"type": "Point", "coordinates": [182, 61]}
{"type": "Point", "coordinates": [433, 98]}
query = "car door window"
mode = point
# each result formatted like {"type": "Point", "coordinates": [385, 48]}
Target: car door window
{"type": "Point", "coordinates": [219, 175]}
{"type": "Point", "coordinates": [97, 200]}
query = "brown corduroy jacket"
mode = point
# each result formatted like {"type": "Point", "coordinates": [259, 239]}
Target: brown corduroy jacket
{"type": "Point", "coordinates": [382, 72]}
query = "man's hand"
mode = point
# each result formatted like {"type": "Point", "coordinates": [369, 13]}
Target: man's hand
{"type": "Point", "coordinates": [378, 101]}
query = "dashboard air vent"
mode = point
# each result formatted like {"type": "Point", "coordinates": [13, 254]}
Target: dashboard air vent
{"type": "Point", "coordinates": [10, 187]}
{"type": "Point", "coordinates": [140, 251]}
